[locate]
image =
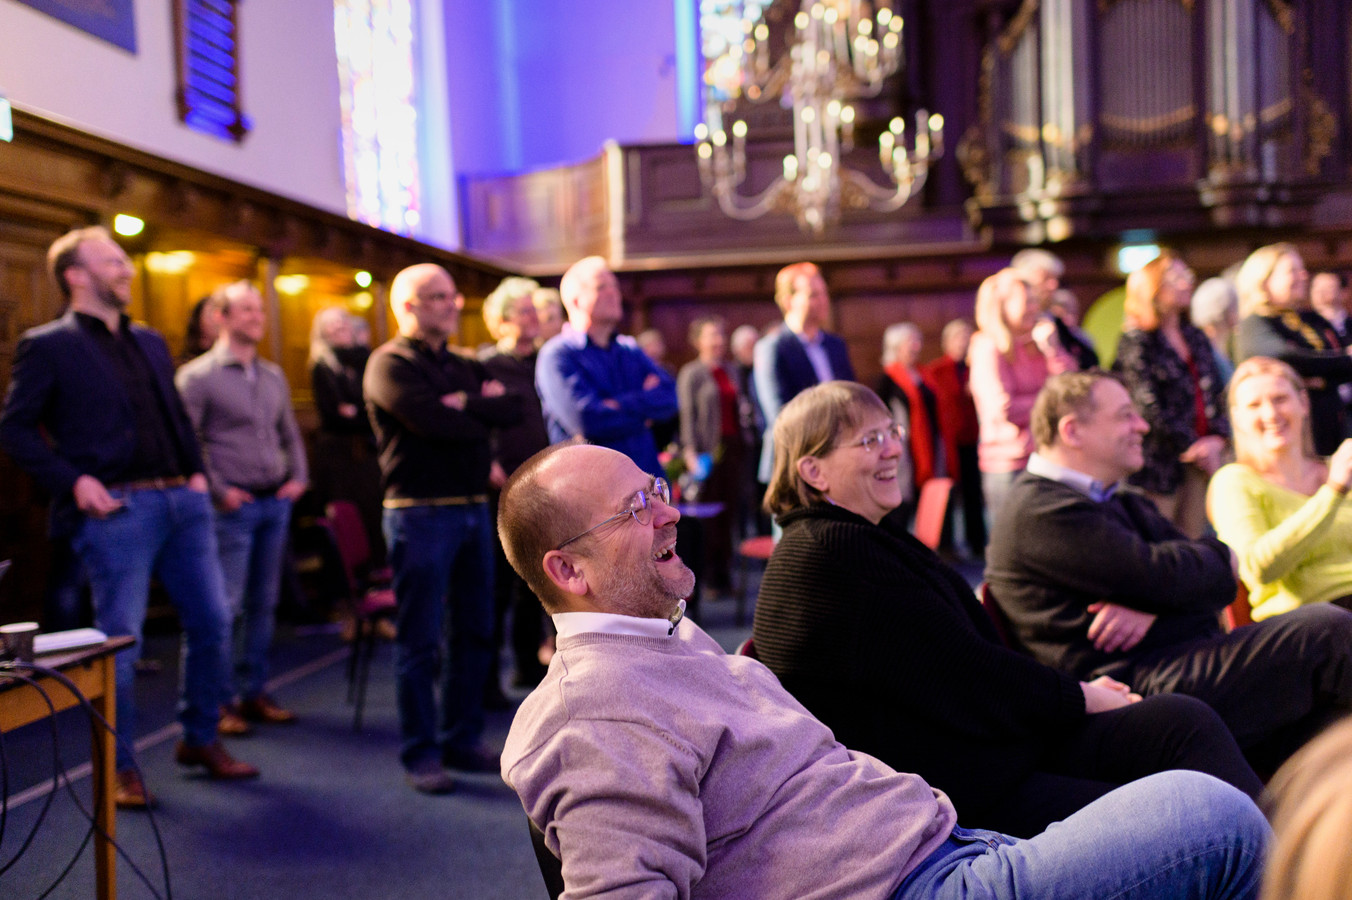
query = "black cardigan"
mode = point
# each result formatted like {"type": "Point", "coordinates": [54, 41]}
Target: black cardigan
{"type": "Point", "coordinates": [889, 647]}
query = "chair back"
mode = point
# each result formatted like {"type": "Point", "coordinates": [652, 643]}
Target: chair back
{"type": "Point", "coordinates": [551, 867]}
{"type": "Point", "coordinates": [1239, 612]}
{"type": "Point", "coordinates": [747, 648]}
{"type": "Point", "coordinates": [930, 511]}
{"type": "Point", "coordinates": [995, 614]}
{"type": "Point", "coordinates": [344, 520]}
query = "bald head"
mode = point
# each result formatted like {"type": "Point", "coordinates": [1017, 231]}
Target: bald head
{"type": "Point", "coordinates": [591, 298]}
{"type": "Point", "coordinates": [564, 529]}
{"type": "Point", "coordinates": [425, 303]}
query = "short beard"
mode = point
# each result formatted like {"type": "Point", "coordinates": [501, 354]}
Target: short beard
{"type": "Point", "coordinates": [646, 594]}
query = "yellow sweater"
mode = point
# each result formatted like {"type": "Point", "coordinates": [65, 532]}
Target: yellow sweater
{"type": "Point", "coordinates": [1293, 548]}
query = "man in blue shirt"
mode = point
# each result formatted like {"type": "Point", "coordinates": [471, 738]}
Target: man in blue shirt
{"type": "Point", "coordinates": [595, 384]}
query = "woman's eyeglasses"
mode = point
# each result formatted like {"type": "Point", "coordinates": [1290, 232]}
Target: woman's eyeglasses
{"type": "Point", "coordinates": [875, 440]}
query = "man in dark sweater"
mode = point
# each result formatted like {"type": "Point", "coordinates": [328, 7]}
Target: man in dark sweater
{"type": "Point", "coordinates": [1096, 582]}
{"type": "Point", "coordinates": [432, 411]}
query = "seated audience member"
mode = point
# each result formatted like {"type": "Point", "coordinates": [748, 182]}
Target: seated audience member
{"type": "Point", "coordinates": [1215, 310]}
{"type": "Point", "coordinates": [1275, 320]}
{"type": "Point", "coordinates": [709, 394]}
{"type": "Point", "coordinates": [957, 418]}
{"type": "Point", "coordinates": [1310, 806]}
{"type": "Point", "coordinates": [1278, 506]}
{"type": "Point", "coordinates": [1013, 351]}
{"type": "Point", "coordinates": [1096, 582]}
{"type": "Point", "coordinates": [913, 402]}
{"type": "Point", "coordinates": [855, 615]}
{"type": "Point", "coordinates": [1169, 370]}
{"type": "Point", "coordinates": [656, 765]}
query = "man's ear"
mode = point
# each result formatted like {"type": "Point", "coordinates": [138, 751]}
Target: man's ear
{"type": "Point", "coordinates": [1068, 431]}
{"type": "Point", "coordinates": [810, 470]}
{"type": "Point", "coordinates": [563, 569]}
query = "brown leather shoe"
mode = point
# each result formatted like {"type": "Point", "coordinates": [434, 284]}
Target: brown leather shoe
{"type": "Point", "coordinates": [129, 792]}
{"type": "Point", "coordinates": [232, 724]}
{"type": "Point", "coordinates": [218, 763]}
{"type": "Point", "coordinates": [263, 709]}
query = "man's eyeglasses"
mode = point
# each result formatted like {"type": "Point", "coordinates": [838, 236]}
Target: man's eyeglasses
{"type": "Point", "coordinates": [640, 507]}
{"type": "Point", "coordinates": [875, 440]}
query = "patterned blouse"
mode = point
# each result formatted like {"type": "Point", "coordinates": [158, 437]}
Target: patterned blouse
{"type": "Point", "coordinates": [1162, 385]}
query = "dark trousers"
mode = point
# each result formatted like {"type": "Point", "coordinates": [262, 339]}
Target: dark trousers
{"type": "Point", "coordinates": [1110, 749]}
{"type": "Point", "coordinates": [973, 503]}
{"type": "Point", "coordinates": [1275, 684]}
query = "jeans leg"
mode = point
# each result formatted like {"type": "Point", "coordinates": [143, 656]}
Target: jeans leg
{"type": "Point", "coordinates": [117, 554]}
{"type": "Point", "coordinates": [189, 567]}
{"type": "Point", "coordinates": [471, 632]}
{"type": "Point", "coordinates": [1176, 834]}
{"type": "Point", "coordinates": [421, 545]}
{"type": "Point", "coordinates": [234, 542]}
{"type": "Point", "coordinates": [272, 519]}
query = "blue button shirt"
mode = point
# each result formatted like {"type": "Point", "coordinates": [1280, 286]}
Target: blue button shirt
{"type": "Point", "coordinates": [576, 377]}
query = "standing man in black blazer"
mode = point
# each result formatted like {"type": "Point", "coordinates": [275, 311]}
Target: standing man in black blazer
{"type": "Point", "coordinates": [93, 416]}
{"type": "Point", "coordinates": [791, 359]}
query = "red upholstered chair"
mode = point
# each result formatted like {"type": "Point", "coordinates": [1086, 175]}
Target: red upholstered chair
{"type": "Point", "coordinates": [1239, 612]}
{"type": "Point", "coordinates": [930, 511]}
{"type": "Point", "coordinates": [752, 548]}
{"type": "Point", "coordinates": [747, 648]}
{"type": "Point", "coordinates": [370, 597]}
{"type": "Point", "coordinates": [994, 613]}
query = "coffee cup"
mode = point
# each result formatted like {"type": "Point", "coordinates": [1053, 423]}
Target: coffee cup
{"type": "Point", "coordinates": [16, 641]}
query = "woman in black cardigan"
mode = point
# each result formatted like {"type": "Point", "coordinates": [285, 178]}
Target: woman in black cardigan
{"type": "Point", "coordinates": [887, 646]}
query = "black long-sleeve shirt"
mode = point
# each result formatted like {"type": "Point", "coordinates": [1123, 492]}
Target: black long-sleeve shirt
{"type": "Point", "coordinates": [429, 450]}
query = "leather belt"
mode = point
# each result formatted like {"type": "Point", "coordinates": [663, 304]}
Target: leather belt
{"type": "Point", "coordinates": [149, 484]}
{"type": "Point", "coordinates": [406, 502]}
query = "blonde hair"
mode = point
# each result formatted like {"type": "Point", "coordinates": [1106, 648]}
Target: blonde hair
{"type": "Point", "coordinates": [321, 348]}
{"type": "Point", "coordinates": [990, 306]}
{"type": "Point", "coordinates": [1266, 365]}
{"type": "Point", "coordinates": [1141, 306]}
{"type": "Point", "coordinates": [1309, 803]}
{"type": "Point", "coordinates": [1251, 280]}
{"type": "Point", "coordinates": [809, 425]}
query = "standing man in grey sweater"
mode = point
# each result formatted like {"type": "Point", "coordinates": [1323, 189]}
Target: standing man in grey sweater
{"type": "Point", "coordinates": [240, 407]}
{"type": "Point", "coordinates": [658, 766]}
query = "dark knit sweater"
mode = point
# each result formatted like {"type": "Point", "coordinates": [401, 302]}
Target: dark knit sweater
{"type": "Point", "coordinates": [888, 646]}
{"type": "Point", "coordinates": [1054, 551]}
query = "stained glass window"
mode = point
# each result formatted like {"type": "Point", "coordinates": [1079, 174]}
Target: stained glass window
{"type": "Point", "coordinates": [374, 39]}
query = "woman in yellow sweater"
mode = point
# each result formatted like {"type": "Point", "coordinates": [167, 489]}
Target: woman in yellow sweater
{"type": "Point", "coordinates": [1279, 506]}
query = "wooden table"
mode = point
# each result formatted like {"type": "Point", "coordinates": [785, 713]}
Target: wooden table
{"type": "Point", "coordinates": [91, 669]}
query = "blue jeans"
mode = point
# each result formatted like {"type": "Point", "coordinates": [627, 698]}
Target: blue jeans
{"type": "Point", "coordinates": [168, 533]}
{"type": "Point", "coordinates": [1176, 834]}
{"type": "Point", "coordinates": [252, 543]}
{"type": "Point", "coordinates": [442, 558]}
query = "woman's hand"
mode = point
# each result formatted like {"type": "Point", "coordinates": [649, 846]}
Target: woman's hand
{"type": "Point", "coordinates": [1103, 694]}
{"type": "Point", "coordinates": [1044, 336]}
{"type": "Point", "coordinates": [1340, 468]}
{"type": "Point", "coordinates": [1206, 453]}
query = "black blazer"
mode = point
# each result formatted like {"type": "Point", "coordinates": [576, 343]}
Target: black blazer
{"type": "Point", "coordinates": [783, 371]}
{"type": "Point", "coordinates": [67, 413]}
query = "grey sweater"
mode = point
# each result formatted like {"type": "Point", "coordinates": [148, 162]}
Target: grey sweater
{"type": "Point", "coordinates": [662, 767]}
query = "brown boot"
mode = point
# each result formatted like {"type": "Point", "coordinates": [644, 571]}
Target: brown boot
{"type": "Point", "coordinates": [129, 792]}
{"type": "Point", "coordinates": [218, 763]}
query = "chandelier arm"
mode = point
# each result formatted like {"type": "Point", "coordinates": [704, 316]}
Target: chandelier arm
{"type": "Point", "coordinates": [739, 206]}
{"type": "Point", "coordinates": [884, 199]}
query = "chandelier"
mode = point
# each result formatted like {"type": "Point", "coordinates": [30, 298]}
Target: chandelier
{"type": "Point", "coordinates": [840, 51]}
